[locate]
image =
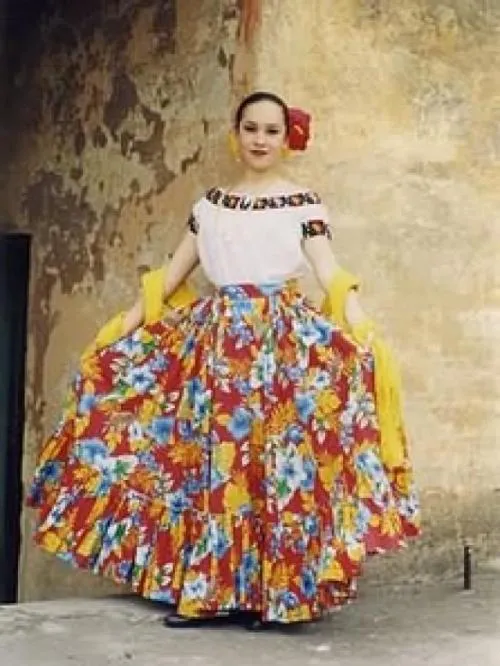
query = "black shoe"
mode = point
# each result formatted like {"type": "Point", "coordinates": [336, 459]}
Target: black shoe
{"type": "Point", "coordinates": [256, 623]}
{"type": "Point", "coordinates": [250, 620]}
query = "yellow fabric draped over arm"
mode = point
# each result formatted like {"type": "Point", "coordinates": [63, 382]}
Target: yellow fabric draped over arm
{"type": "Point", "coordinates": [155, 308]}
{"type": "Point", "coordinates": [388, 392]}
{"type": "Point", "coordinates": [110, 332]}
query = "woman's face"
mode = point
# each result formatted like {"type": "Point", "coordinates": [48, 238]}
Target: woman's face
{"type": "Point", "coordinates": [262, 135]}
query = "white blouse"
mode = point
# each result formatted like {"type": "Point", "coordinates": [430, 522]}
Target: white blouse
{"type": "Point", "coordinates": [244, 240]}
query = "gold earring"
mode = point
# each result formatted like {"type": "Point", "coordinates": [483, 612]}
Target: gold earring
{"type": "Point", "coordinates": [234, 147]}
{"type": "Point", "coordinates": [285, 152]}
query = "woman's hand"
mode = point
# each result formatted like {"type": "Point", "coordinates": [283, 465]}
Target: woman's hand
{"type": "Point", "coordinates": [183, 261]}
{"type": "Point", "coordinates": [319, 253]}
{"type": "Point", "coordinates": [353, 312]}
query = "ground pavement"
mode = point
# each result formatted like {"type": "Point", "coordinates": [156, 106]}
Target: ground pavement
{"type": "Point", "coordinates": [438, 625]}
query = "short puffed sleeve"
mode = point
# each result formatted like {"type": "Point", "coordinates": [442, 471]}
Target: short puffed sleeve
{"type": "Point", "coordinates": [194, 219]}
{"type": "Point", "coordinates": [315, 218]}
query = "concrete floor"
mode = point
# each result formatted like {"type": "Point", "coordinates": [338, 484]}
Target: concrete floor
{"type": "Point", "coordinates": [438, 625]}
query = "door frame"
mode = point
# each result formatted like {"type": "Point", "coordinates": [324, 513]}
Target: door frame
{"type": "Point", "coordinates": [15, 278]}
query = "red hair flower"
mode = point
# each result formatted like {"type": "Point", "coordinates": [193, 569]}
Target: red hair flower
{"type": "Point", "coordinates": [299, 131]}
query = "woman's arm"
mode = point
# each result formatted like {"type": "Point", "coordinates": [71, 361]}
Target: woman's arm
{"type": "Point", "coordinates": [319, 253]}
{"type": "Point", "coordinates": [184, 260]}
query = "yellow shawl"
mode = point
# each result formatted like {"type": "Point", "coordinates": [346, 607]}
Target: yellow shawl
{"type": "Point", "coordinates": [388, 393]}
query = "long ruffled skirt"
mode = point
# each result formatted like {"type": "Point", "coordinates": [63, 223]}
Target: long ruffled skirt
{"type": "Point", "coordinates": [229, 462]}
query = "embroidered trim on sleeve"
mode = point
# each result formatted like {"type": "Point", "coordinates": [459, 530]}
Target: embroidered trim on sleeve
{"type": "Point", "coordinates": [312, 228]}
{"type": "Point", "coordinates": [192, 224]}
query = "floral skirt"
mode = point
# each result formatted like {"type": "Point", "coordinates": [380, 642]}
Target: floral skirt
{"type": "Point", "coordinates": [229, 462]}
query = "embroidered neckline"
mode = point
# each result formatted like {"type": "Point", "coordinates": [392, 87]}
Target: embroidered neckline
{"type": "Point", "coordinates": [219, 197]}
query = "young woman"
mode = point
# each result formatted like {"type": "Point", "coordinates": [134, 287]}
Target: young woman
{"type": "Point", "coordinates": [236, 453]}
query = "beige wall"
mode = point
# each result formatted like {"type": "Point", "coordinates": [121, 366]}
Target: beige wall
{"type": "Point", "coordinates": [405, 96]}
{"type": "Point", "coordinates": [119, 124]}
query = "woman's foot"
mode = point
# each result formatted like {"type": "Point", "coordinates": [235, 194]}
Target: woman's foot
{"type": "Point", "coordinates": [254, 622]}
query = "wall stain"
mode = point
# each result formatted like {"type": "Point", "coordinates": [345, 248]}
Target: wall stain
{"type": "Point", "coordinates": [151, 151]}
{"type": "Point", "coordinates": [124, 98]}
{"type": "Point", "coordinates": [222, 58]}
{"type": "Point", "coordinates": [99, 138]}
{"type": "Point", "coordinates": [76, 173]}
{"type": "Point", "coordinates": [189, 161]}
{"type": "Point", "coordinates": [62, 38]}
{"type": "Point", "coordinates": [164, 23]}
{"type": "Point", "coordinates": [62, 224]}
{"type": "Point", "coordinates": [79, 140]}
{"type": "Point", "coordinates": [96, 94]}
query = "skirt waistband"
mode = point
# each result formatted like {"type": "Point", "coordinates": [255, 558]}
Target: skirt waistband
{"type": "Point", "coordinates": [244, 291]}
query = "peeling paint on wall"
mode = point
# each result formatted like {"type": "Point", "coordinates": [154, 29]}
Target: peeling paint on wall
{"type": "Point", "coordinates": [120, 109]}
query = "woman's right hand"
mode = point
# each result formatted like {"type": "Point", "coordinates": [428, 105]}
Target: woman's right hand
{"type": "Point", "coordinates": [185, 258]}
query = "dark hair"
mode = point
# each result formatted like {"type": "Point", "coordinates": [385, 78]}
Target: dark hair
{"type": "Point", "coordinates": [261, 96]}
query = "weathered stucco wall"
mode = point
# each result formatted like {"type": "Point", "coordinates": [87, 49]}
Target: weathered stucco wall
{"type": "Point", "coordinates": [121, 111]}
{"type": "Point", "coordinates": [407, 155]}
{"type": "Point", "coordinates": [119, 123]}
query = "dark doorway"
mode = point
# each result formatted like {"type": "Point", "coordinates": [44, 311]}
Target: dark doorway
{"type": "Point", "coordinates": [14, 278]}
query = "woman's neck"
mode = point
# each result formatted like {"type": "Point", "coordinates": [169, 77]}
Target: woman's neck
{"type": "Point", "coordinates": [254, 182]}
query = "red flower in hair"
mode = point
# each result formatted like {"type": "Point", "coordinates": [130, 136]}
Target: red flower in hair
{"type": "Point", "coordinates": [299, 130]}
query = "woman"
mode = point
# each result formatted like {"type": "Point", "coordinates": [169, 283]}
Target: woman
{"type": "Point", "coordinates": [228, 456]}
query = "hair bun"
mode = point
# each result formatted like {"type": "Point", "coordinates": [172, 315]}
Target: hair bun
{"type": "Point", "coordinates": [299, 131]}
